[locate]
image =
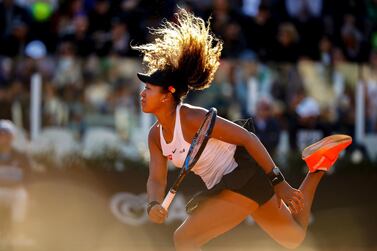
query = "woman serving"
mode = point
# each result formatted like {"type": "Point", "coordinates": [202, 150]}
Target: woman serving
{"type": "Point", "coordinates": [240, 176]}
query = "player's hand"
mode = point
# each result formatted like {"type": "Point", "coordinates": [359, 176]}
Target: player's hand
{"type": "Point", "coordinates": [292, 197]}
{"type": "Point", "coordinates": [158, 214]}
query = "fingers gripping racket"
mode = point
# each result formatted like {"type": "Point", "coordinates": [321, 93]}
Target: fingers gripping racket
{"type": "Point", "coordinates": [196, 148]}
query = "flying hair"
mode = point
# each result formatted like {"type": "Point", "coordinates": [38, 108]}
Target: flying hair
{"type": "Point", "coordinates": [186, 47]}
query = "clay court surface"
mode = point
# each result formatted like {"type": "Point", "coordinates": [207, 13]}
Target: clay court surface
{"type": "Point", "coordinates": [72, 214]}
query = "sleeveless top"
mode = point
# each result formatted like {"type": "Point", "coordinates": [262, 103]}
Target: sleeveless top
{"type": "Point", "coordinates": [216, 160]}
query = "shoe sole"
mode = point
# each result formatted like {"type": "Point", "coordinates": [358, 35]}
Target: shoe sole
{"type": "Point", "coordinates": [323, 154]}
{"type": "Point", "coordinates": [325, 144]}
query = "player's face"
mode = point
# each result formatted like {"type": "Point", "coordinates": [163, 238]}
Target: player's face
{"type": "Point", "coordinates": [151, 98]}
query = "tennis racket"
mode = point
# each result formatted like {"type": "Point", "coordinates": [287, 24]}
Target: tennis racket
{"type": "Point", "coordinates": [196, 148]}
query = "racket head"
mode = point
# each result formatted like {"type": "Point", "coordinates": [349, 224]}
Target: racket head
{"type": "Point", "coordinates": [200, 139]}
{"type": "Point", "coordinates": [197, 146]}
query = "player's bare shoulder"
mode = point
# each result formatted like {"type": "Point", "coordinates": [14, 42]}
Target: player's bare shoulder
{"type": "Point", "coordinates": [154, 134]}
{"type": "Point", "coordinates": [192, 115]}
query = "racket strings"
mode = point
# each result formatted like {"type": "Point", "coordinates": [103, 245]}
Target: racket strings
{"type": "Point", "coordinates": [196, 148]}
{"type": "Point", "coordinates": [200, 138]}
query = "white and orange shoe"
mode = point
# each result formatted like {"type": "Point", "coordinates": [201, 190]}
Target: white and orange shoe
{"type": "Point", "coordinates": [323, 154]}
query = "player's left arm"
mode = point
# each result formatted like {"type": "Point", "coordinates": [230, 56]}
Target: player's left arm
{"type": "Point", "coordinates": [232, 133]}
{"type": "Point", "coordinates": [227, 131]}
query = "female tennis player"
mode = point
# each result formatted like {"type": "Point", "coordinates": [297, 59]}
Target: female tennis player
{"type": "Point", "coordinates": [184, 57]}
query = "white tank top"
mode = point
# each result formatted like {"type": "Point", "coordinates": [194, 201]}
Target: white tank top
{"type": "Point", "coordinates": [216, 160]}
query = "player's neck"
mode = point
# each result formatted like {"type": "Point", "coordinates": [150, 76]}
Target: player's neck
{"type": "Point", "coordinates": [166, 118]}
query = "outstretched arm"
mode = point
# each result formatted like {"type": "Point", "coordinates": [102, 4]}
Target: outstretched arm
{"type": "Point", "coordinates": [232, 133]}
{"type": "Point", "coordinates": [157, 178]}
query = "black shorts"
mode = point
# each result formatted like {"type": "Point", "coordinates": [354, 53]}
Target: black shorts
{"type": "Point", "coordinates": [247, 179]}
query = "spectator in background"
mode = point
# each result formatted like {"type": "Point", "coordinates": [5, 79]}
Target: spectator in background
{"type": "Point", "coordinates": [304, 8]}
{"type": "Point", "coordinates": [288, 85]}
{"type": "Point", "coordinates": [250, 7]}
{"type": "Point", "coordinates": [6, 66]}
{"type": "Point", "coordinates": [62, 20]}
{"type": "Point", "coordinates": [100, 25]}
{"type": "Point", "coordinates": [325, 47]}
{"type": "Point", "coordinates": [266, 126]}
{"type": "Point", "coordinates": [221, 94]}
{"type": "Point", "coordinates": [5, 103]}
{"type": "Point", "coordinates": [97, 95]}
{"type": "Point", "coordinates": [120, 38]}
{"type": "Point", "coordinates": [68, 68]}
{"type": "Point", "coordinates": [132, 13]}
{"type": "Point", "coordinates": [13, 45]}
{"type": "Point", "coordinates": [251, 80]}
{"type": "Point", "coordinates": [263, 25]}
{"type": "Point", "coordinates": [55, 111]}
{"type": "Point", "coordinates": [234, 41]}
{"type": "Point", "coordinates": [79, 36]}
{"type": "Point", "coordinates": [287, 49]}
{"type": "Point", "coordinates": [372, 11]}
{"type": "Point", "coordinates": [14, 170]}
{"type": "Point", "coordinates": [306, 126]}
{"type": "Point", "coordinates": [371, 21]}
{"type": "Point", "coordinates": [335, 10]}
{"type": "Point", "coordinates": [9, 12]}
{"type": "Point", "coordinates": [222, 13]}
{"type": "Point", "coordinates": [14, 103]}
{"type": "Point", "coordinates": [243, 70]}
{"type": "Point", "coordinates": [346, 112]}
{"type": "Point", "coordinates": [124, 104]}
{"type": "Point", "coordinates": [369, 75]}
{"type": "Point", "coordinates": [306, 17]}
{"type": "Point", "coordinates": [352, 41]}
{"type": "Point", "coordinates": [20, 103]}
{"type": "Point", "coordinates": [345, 76]}
{"type": "Point", "coordinates": [308, 112]}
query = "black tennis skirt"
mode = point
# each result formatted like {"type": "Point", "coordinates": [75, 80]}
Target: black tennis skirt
{"type": "Point", "coordinates": [247, 179]}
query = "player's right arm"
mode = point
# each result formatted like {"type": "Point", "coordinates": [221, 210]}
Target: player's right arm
{"type": "Point", "coordinates": [157, 178]}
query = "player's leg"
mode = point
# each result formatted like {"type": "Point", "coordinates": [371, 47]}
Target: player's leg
{"type": "Point", "coordinates": [319, 158]}
{"type": "Point", "coordinates": [287, 229]}
{"type": "Point", "coordinates": [284, 227]}
{"type": "Point", "coordinates": [215, 216]}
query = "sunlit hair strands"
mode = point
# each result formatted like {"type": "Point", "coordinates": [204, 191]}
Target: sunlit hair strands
{"type": "Point", "coordinates": [187, 49]}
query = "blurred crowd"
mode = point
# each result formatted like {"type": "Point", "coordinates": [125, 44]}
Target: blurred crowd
{"type": "Point", "coordinates": [296, 66]}
{"type": "Point", "coordinates": [275, 30]}
{"type": "Point", "coordinates": [292, 64]}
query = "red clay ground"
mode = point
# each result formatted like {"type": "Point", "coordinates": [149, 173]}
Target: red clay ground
{"type": "Point", "coordinates": [72, 214]}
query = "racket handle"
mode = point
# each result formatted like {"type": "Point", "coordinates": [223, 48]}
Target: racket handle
{"type": "Point", "coordinates": [168, 199]}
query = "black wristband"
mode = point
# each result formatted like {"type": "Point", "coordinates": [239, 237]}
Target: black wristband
{"type": "Point", "coordinates": [275, 176]}
{"type": "Point", "coordinates": [151, 204]}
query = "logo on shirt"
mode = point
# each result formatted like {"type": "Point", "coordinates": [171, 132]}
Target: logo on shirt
{"type": "Point", "coordinates": [170, 156]}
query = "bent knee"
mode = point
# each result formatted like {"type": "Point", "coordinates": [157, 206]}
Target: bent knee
{"type": "Point", "coordinates": [293, 241]}
{"type": "Point", "coordinates": [183, 238]}
{"type": "Point", "coordinates": [178, 236]}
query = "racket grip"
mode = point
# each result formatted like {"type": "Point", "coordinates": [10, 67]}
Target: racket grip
{"type": "Point", "coordinates": [168, 199]}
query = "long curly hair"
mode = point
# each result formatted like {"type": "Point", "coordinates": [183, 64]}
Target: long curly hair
{"type": "Point", "coordinates": [186, 47]}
